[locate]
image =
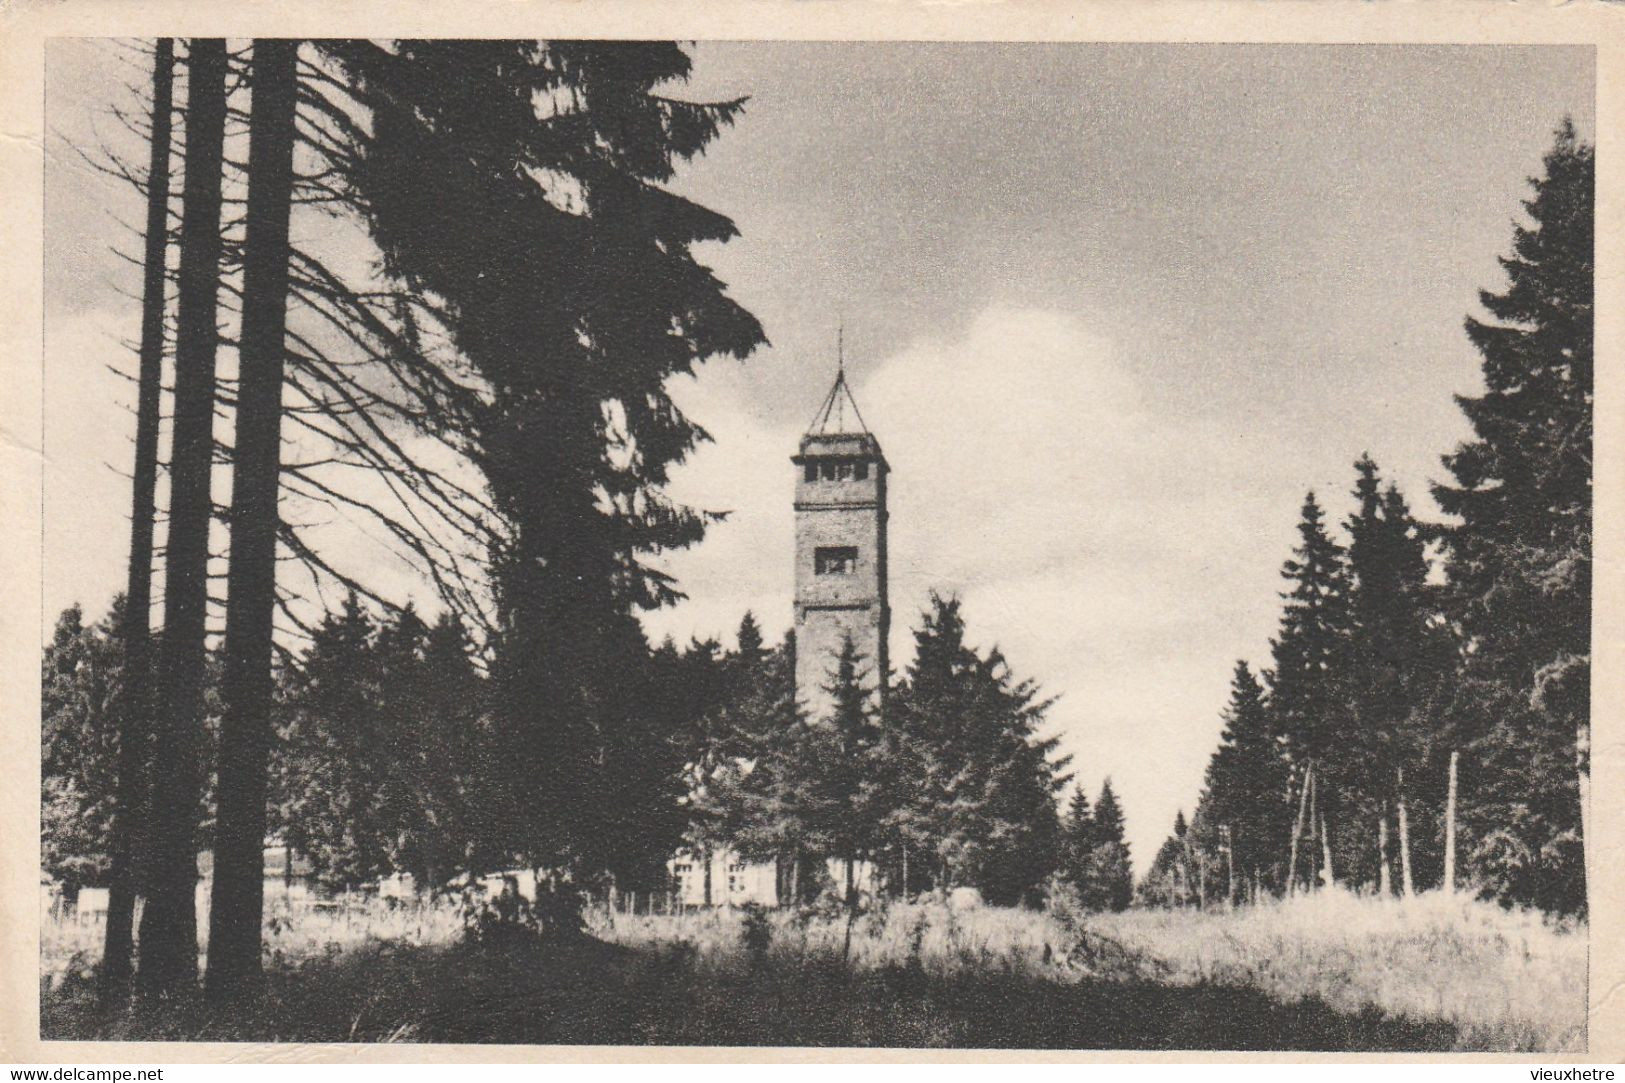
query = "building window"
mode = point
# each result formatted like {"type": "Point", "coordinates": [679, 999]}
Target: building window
{"type": "Point", "coordinates": [836, 470]}
{"type": "Point", "coordinates": [835, 560]}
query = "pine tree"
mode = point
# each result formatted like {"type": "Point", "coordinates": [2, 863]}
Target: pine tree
{"type": "Point", "coordinates": [237, 901]}
{"type": "Point", "coordinates": [443, 711]}
{"type": "Point", "coordinates": [338, 742]}
{"type": "Point", "coordinates": [168, 962]}
{"type": "Point", "coordinates": [564, 272]}
{"type": "Point", "coordinates": [134, 738]}
{"type": "Point", "coordinates": [1397, 661]}
{"type": "Point", "coordinates": [1173, 874]}
{"type": "Point", "coordinates": [756, 801]}
{"type": "Point", "coordinates": [1519, 558]}
{"type": "Point", "coordinates": [1111, 875]}
{"type": "Point", "coordinates": [839, 794]}
{"type": "Point", "coordinates": [1309, 694]}
{"type": "Point", "coordinates": [1245, 793]}
{"type": "Point", "coordinates": [1077, 841]}
{"type": "Point", "coordinates": [83, 705]}
{"type": "Point", "coordinates": [987, 782]}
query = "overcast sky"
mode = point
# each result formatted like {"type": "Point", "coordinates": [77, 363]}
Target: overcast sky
{"type": "Point", "coordinates": [1110, 310]}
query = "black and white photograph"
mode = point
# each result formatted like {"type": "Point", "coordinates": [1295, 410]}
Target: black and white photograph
{"type": "Point", "coordinates": [859, 544]}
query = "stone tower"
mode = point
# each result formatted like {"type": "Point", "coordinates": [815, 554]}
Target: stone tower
{"type": "Point", "coordinates": [840, 550]}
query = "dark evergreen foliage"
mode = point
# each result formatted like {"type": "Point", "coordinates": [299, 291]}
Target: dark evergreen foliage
{"type": "Point", "coordinates": [82, 707]}
{"type": "Point", "coordinates": [1385, 667]}
{"type": "Point", "coordinates": [981, 787]}
{"type": "Point", "coordinates": [1246, 802]}
{"type": "Point", "coordinates": [1518, 555]}
{"type": "Point", "coordinates": [563, 273]}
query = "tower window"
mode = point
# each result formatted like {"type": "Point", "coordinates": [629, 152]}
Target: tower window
{"type": "Point", "coordinates": [812, 472]}
{"type": "Point", "coordinates": [835, 560]}
{"type": "Point", "coordinates": [861, 471]}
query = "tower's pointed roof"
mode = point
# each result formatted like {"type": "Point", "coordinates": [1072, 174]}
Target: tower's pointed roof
{"type": "Point", "coordinates": [831, 418]}
{"type": "Point", "coordinates": [838, 429]}
{"type": "Point", "coordinates": [834, 407]}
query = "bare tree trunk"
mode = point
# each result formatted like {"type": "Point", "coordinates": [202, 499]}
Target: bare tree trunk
{"type": "Point", "coordinates": [1230, 867]}
{"type": "Point", "coordinates": [1450, 829]}
{"type": "Point", "coordinates": [135, 720]}
{"type": "Point", "coordinates": [168, 963]}
{"type": "Point", "coordinates": [237, 904]}
{"type": "Point", "coordinates": [706, 856]}
{"type": "Point", "coordinates": [1406, 883]}
{"type": "Point", "coordinates": [1385, 880]}
{"type": "Point", "coordinates": [1328, 877]}
{"type": "Point", "coordinates": [1297, 828]}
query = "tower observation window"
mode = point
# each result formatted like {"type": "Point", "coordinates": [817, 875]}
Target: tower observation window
{"type": "Point", "coordinates": [835, 560]}
{"type": "Point", "coordinates": [838, 470]}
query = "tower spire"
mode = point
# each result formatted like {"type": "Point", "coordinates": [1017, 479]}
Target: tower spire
{"type": "Point", "coordinates": [834, 405]}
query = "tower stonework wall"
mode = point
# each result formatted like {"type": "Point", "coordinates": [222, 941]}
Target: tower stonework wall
{"type": "Point", "coordinates": [840, 571]}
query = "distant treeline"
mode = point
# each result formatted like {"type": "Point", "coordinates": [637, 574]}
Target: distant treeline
{"type": "Point", "coordinates": [388, 757]}
{"type": "Point", "coordinates": [1411, 654]}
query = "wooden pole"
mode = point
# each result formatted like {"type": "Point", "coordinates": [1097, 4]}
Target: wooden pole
{"type": "Point", "coordinates": [1450, 829]}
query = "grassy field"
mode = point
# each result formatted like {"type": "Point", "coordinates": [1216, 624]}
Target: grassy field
{"type": "Point", "coordinates": [1328, 972]}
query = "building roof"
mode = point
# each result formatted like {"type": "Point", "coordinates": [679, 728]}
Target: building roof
{"type": "Point", "coordinates": [834, 409]}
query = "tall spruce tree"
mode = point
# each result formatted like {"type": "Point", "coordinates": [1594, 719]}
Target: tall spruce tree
{"type": "Point", "coordinates": [1308, 688]}
{"type": "Point", "coordinates": [986, 797]}
{"type": "Point", "coordinates": [1111, 873]}
{"type": "Point", "coordinates": [1397, 660]}
{"type": "Point", "coordinates": [840, 789]}
{"type": "Point", "coordinates": [339, 743]}
{"type": "Point", "coordinates": [521, 185]}
{"type": "Point", "coordinates": [237, 900]}
{"type": "Point", "coordinates": [1519, 556]}
{"type": "Point", "coordinates": [136, 724]}
{"type": "Point", "coordinates": [1246, 793]}
{"type": "Point", "coordinates": [168, 957]}
{"type": "Point", "coordinates": [1077, 840]}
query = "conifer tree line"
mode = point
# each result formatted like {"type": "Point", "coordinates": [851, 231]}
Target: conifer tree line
{"type": "Point", "coordinates": [1095, 871]}
{"type": "Point", "coordinates": [386, 758]}
{"type": "Point", "coordinates": [1423, 720]}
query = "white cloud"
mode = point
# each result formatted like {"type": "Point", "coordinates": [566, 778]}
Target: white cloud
{"type": "Point", "coordinates": [1113, 552]}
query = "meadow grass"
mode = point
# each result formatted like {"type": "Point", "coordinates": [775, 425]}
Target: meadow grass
{"type": "Point", "coordinates": [1325, 972]}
